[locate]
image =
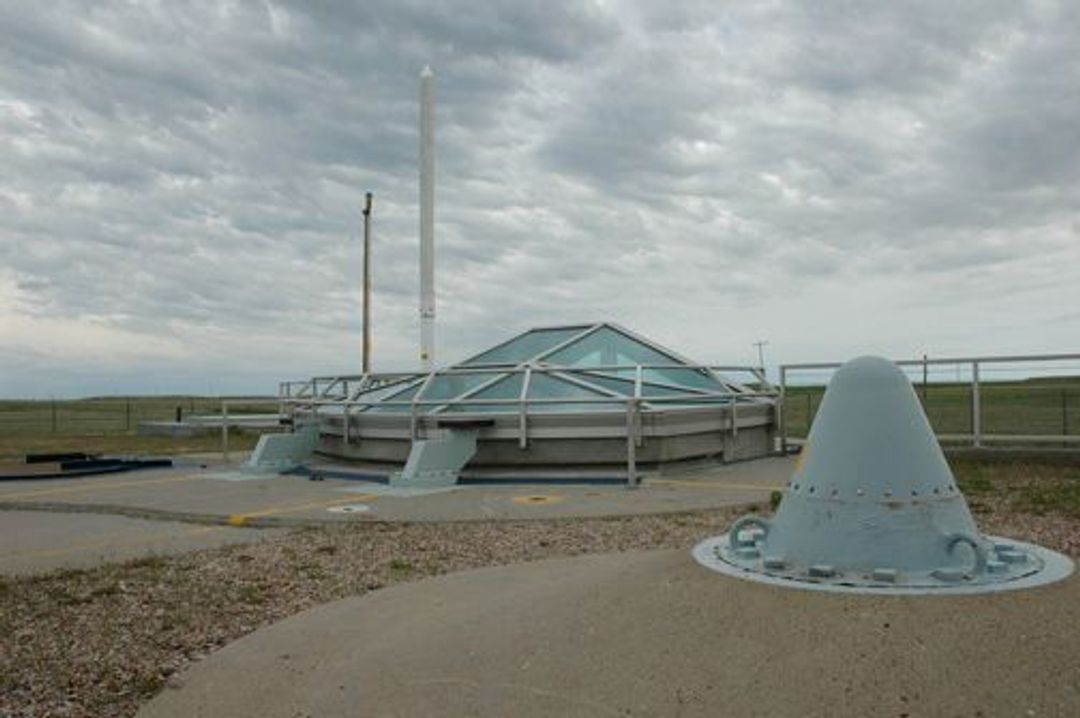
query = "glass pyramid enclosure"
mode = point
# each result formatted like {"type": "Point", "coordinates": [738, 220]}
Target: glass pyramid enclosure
{"type": "Point", "coordinates": [564, 395]}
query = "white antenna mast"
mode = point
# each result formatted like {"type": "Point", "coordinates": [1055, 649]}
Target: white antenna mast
{"type": "Point", "coordinates": [427, 219]}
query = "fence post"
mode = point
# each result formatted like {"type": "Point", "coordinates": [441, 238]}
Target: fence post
{"type": "Point", "coordinates": [127, 415]}
{"type": "Point", "coordinates": [1064, 417]}
{"type": "Point", "coordinates": [976, 407]}
{"type": "Point", "coordinates": [225, 430]}
{"type": "Point", "coordinates": [52, 404]}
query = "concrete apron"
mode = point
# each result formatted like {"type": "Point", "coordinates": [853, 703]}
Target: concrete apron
{"type": "Point", "coordinates": [645, 633]}
{"type": "Point", "coordinates": [209, 497]}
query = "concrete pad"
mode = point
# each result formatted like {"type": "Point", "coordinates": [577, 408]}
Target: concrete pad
{"type": "Point", "coordinates": [37, 541]}
{"type": "Point", "coordinates": [646, 633]}
{"type": "Point", "coordinates": [198, 493]}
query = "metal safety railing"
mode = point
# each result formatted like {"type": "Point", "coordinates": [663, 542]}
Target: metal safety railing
{"type": "Point", "coordinates": [1026, 409]}
{"type": "Point", "coordinates": [230, 420]}
{"type": "Point", "coordinates": [344, 394]}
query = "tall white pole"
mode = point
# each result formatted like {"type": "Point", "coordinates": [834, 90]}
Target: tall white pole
{"type": "Point", "coordinates": [427, 219]}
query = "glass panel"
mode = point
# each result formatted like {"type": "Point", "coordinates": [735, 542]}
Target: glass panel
{"type": "Point", "coordinates": [622, 386]}
{"type": "Point", "coordinates": [607, 347]}
{"type": "Point", "coordinates": [508, 387]}
{"type": "Point", "coordinates": [626, 386]}
{"type": "Point", "coordinates": [525, 346]}
{"type": "Point", "coordinates": [449, 386]}
{"type": "Point", "coordinates": [403, 395]}
{"type": "Point", "coordinates": [542, 386]}
{"type": "Point", "coordinates": [693, 378]}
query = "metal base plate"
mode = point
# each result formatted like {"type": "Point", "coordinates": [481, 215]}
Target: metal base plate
{"type": "Point", "coordinates": [715, 554]}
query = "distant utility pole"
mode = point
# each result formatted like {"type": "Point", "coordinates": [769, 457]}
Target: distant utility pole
{"type": "Point", "coordinates": [367, 283]}
{"type": "Point", "coordinates": [761, 352]}
{"type": "Point", "coordinates": [925, 377]}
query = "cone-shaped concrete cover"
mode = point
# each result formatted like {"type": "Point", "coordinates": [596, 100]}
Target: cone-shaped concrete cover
{"type": "Point", "coordinates": [873, 488]}
{"type": "Point", "coordinates": [872, 501]}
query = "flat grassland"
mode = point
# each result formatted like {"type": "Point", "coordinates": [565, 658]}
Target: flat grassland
{"type": "Point", "coordinates": [1045, 406]}
{"type": "Point", "coordinates": [109, 425]}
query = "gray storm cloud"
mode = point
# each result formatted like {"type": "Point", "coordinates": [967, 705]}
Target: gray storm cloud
{"type": "Point", "coordinates": [181, 181]}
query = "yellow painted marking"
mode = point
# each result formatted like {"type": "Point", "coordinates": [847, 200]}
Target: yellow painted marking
{"type": "Point", "coordinates": [715, 485]}
{"type": "Point", "coordinates": [94, 486]}
{"type": "Point", "coordinates": [242, 519]}
{"type": "Point", "coordinates": [537, 499]}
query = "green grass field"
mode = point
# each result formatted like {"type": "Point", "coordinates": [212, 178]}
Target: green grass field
{"type": "Point", "coordinates": [109, 425]}
{"type": "Point", "coordinates": [1033, 407]}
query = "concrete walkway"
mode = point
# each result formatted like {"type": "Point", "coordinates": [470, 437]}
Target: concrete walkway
{"type": "Point", "coordinates": [36, 541]}
{"type": "Point", "coordinates": [646, 634]}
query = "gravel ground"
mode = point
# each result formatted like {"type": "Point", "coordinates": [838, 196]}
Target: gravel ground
{"type": "Point", "coordinates": [101, 642]}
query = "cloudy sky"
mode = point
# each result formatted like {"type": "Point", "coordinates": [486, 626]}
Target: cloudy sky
{"type": "Point", "coordinates": [181, 182]}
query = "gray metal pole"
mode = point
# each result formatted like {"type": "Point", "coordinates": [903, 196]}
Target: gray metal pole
{"type": "Point", "coordinates": [780, 407]}
{"type": "Point", "coordinates": [761, 352]}
{"type": "Point", "coordinates": [225, 430]}
{"type": "Point", "coordinates": [924, 379]}
{"type": "Point", "coordinates": [631, 446]}
{"type": "Point", "coordinates": [345, 423]}
{"type": "Point", "coordinates": [427, 219]}
{"type": "Point", "coordinates": [367, 283]}
{"type": "Point", "coordinates": [976, 406]}
{"type": "Point", "coordinates": [523, 410]}
{"type": "Point", "coordinates": [1064, 417]}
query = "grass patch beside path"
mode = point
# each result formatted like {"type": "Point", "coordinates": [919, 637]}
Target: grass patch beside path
{"type": "Point", "coordinates": [1044, 488]}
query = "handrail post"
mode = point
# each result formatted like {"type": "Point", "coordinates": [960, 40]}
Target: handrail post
{"type": "Point", "coordinates": [282, 395]}
{"type": "Point", "coordinates": [345, 423]}
{"type": "Point", "coordinates": [523, 410]}
{"type": "Point", "coordinates": [638, 378]}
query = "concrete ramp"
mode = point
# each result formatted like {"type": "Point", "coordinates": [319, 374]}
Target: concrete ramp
{"type": "Point", "coordinates": [281, 452]}
{"type": "Point", "coordinates": [438, 460]}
